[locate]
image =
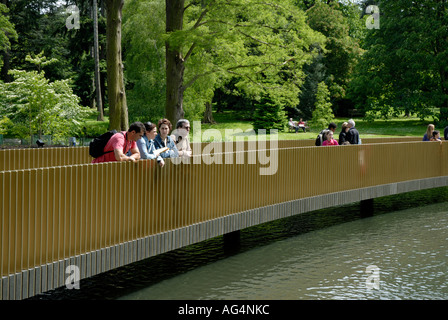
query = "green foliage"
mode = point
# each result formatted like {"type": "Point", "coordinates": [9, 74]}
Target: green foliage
{"type": "Point", "coordinates": [92, 129]}
{"type": "Point", "coordinates": [259, 47]}
{"type": "Point", "coordinates": [7, 31]}
{"type": "Point", "coordinates": [144, 55]}
{"type": "Point", "coordinates": [404, 67]}
{"type": "Point", "coordinates": [341, 50]}
{"type": "Point", "coordinates": [269, 115]}
{"type": "Point", "coordinates": [37, 106]}
{"type": "Point", "coordinates": [5, 125]}
{"type": "Point", "coordinates": [322, 114]}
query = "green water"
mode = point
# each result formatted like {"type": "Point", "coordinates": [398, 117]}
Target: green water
{"type": "Point", "coordinates": [408, 250]}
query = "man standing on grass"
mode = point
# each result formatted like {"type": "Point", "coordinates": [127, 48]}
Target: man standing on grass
{"type": "Point", "coordinates": [121, 143]}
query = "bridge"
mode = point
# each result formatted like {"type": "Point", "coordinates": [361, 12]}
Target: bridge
{"type": "Point", "coordinates": [63, 218]}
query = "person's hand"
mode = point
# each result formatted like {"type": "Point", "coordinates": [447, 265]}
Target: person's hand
{"type": "Point", "coordinates": [187, 154]}
{"type": "Point", "coordinates": [161, 163]}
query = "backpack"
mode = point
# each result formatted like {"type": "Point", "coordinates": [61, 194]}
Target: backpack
{"type": "Point", "coordinates": [320, 137]}
{"type": "Point", "coordinates": [96, 146]}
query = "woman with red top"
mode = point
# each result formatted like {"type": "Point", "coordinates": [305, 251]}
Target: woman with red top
{"type": "Point", "coordinates": [330, 141]}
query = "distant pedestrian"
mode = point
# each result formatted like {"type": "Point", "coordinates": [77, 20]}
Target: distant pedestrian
{"type": "Point", "coordinates": [352, 135]}
{"type": "Point", "coordinates": [343, 133]}
{"type": "Point", "coordinates": [72, 141]}
{"type": "Point", "coordinates": [322, 136]}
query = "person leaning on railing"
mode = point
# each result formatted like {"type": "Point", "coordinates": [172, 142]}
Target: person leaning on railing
{"type": "Point", "coordinates": [427, 136]}
{"type": "Point", "coordinates": [436, 136]}
{"type": "Point", "coordinates": [146, 144]}
{"type": "Point", "coordinates": [121, 143]}
{"type": "Point", "coordinates": [329, 140]}
{"type": "Point", "coordinates": [180, 137]}
{"type": "Point", "coordinates": [163, 140]}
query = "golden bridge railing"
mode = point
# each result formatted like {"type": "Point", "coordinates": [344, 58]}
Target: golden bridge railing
{"type": "Point", "coordinates": [54, 213]}
{"type": "Point", "coordinates": [16, 159]}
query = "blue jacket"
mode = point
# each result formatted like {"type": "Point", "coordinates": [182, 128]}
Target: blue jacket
{"type": "Point", "coordinates": [172, 152]}
{"type": "Point", "coordinates": [147, 148]}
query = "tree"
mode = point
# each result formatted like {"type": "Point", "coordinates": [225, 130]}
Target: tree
{"type": "Point", "coordinates": [269, 115]}
{"type": "Point", "coordinates": [341, 50]}
{"type": "Point", "coordinates": [404, 69]}
{"type": "Point", "coordinates": [263, 45]}
{"type": "Point", "coordinates": [7, 32]}
{"type": "Point", "coordinates": [315, 72]}
{"type": "Point", "coordinates": [118, 111]}
{"type": "Point", "coordinates": [144, 54]}
{"type": "Point", "coordinates": [33, 104]}
{"type": "Point", "coordinates": [322, 114]}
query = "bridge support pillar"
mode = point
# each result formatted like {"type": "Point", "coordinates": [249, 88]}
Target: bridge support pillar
{"type": "Point", "coordinates": [366, 208]}
{"type": "Point", "coordinates": [232, 241]}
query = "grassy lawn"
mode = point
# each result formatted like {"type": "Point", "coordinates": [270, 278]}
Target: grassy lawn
{"type": "Point", "coordinates": [238, 129]}
{"type": "Point", "coordinates": [402, 127]}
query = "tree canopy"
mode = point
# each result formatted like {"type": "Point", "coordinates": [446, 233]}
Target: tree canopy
{"type": "Point", "coordinates": [180, 58]}
{"type": "Point", "coordinates": [405, 66]}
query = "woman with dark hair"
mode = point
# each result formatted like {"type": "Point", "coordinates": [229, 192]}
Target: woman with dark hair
{"type": "Point", "coordinates": [435, 136]}
{"type": "Point", "coordinates": [146, 144]}
{"type": "Point", "coordinates": [163, 139]}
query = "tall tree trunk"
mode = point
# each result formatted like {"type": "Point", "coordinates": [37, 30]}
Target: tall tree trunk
{"type": "Point", "coordinates": [99, 101]}
{"type": "Point", "coordinates": [118, 111]}
{"type": "Point", "coordinates": [208, 114]}
{"type": "Point", "coordinates": [174, 63]}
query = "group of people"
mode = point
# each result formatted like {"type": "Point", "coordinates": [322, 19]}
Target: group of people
{"type": "Point", "coordinates": [148, 141]}
{"type": "Point", "coordinates": [348, 135]}
{"type": "Point", "coordinates": [297, 125]}
{"type": "Point", "coordinates": [434, 135]}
